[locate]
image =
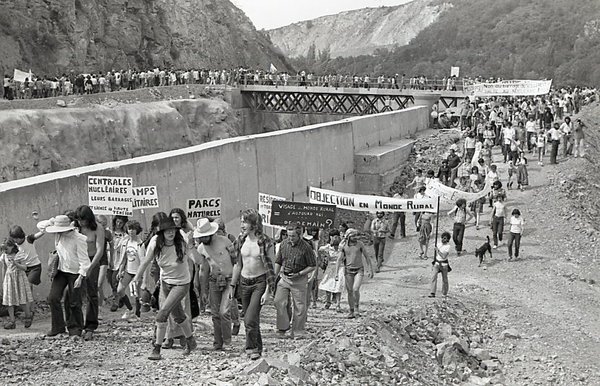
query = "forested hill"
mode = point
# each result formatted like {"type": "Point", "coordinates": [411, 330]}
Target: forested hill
{"type": "Point", "coordinates": [554, 39]}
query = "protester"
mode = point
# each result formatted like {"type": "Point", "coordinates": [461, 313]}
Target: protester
{"type": "Point", "coordinates": [398, 217]}
{"type": "Point", "coordinates": [236, 297]}
{"type": "Point", "coordinates": [119, 232]}
{"type": "Point", "coordinates": [522, 174]}
{"type": "Point", "coordinates": [516, 230]}
{"type": "Point", "coordinates": [133, 252]}
{"type": "Point", "coordinates": [169, 250]}
{"type": "Point", "coordinates": [27, 254]}
{"type": "Point", "coordinates": [566, 131]}
{"type": "Point", "coordinates": [554, 134]}
{"type": "Point", "coordinates": [497, 223]}
{"type": "Point", "coordinates": [540, 143]}
{"type": "Point", "coordinates": [441, 265]}
{"type": "Point", "coordinates": [333, 279]}
{"type": "Point", "coordinates": [16, 290]}
{"type": "Point", "coordinates": [461, 216]}
{"type": "Point", "coordinates": [579, 136]}
{"type": "Point", "coordinates": [108, 250]}
{"type": "Point", "coordinates": [425, 229]}
{"type": "Point", "coordinates": [380, 230]}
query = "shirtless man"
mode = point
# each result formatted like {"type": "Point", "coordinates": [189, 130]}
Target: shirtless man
{"type": "Point", "coordinates": [214, 249]}
{"type": "Point", "coordinates": [352, 254]}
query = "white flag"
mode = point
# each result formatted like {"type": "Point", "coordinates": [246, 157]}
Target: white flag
{"type": "Point", "coordinates": [273, 69]}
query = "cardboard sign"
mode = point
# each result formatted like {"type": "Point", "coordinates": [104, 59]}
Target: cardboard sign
{"type": "Point", "coordinates": [285, 212]}
{"type": "Point", "coordinates": [204, 207]}
{"type": "Point", "coordinates": [366, 203]}
{"type": "Point", "coordinates": [110, 195]}
{"type": "Point", "coordinates": [264, 206]}
{"type": "Point", "coordinates": [145, 197]}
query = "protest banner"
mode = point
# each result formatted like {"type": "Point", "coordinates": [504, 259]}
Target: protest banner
{"type": "Point", "coordinates": [204, 207]}
{"type": "Point", "coordinates": [454, 71]}
{"type": "Point", "coordinates": [110, 195]}
{"type": "Point", "coordinates": [264, 206]}
{"type": "Point", "coordinates": [509, 87]}
{"type": "Point", "coordinates": [20, 76]}
{"type": "Point", "coordinates": [365, 203]}
{"type": "Point", "coordinates": [317, 215]}
{"type": "Point", "coordinates": [435, 188]}
{"type": "Point", "coordinates": [145, 197]}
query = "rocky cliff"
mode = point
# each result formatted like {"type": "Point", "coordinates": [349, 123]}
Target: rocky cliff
{"type": "Point", "coordinates": [51, 36]}
{"type": "Point", "coordinates": [358, 32]}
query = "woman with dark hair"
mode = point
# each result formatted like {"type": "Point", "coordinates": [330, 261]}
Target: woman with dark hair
{"type": "Point", "coordinates": [169, 250]}
{"type": "Point", "coordinates": [150, 289]}
{"type": "Point", "coordinates": [178, 215]}
{"type": "Point", "coordinates": [95, 245]}
{"type": "Point", "coordinates": [253, 254]}
{"type": "Point", "coordinates": [133, 252]}
{"type": "Point", "coordinates": [516, 230]}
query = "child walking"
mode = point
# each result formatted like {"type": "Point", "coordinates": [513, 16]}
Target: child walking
{"type": "Point", "coordinates": [333, 281]}
{"type": "Point", "coordinates": [16, 290]}
{"type": "Point", "coordinates": [540, 144]}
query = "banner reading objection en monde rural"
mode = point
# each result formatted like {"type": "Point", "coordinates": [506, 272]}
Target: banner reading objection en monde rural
{"type": "Point", "coordinates": [365, 203]}
{"type": "Point", "coordinates": [509, 87]}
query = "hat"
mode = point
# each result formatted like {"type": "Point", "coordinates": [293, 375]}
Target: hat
{"type": "Point", "coordinates": [205, 228]}
{"type": "Point", "coordinates": [59, 224]}
{"type": "Point", "coordinates": [166, 223]}
{"type": "Point", "coordinates": [351, 232]}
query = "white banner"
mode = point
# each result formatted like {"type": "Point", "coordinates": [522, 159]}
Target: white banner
{"type": "Point", "coordinates": [365, 203]}
{"type": "Point", "coordinates": [449, 195]}
{"type": "Point", "coordinates": [454, 71]}
{"type": "Point", "coordinates": [110, 195]}
{"type": "Point", "coordinates": [264, 207]}
{"type": "Point", "coordinates": [20, 76]}
{"type": "Point", "coordinates": [145, 197]}
{"type": "Point", "coordinates": [509, 87]}
{"type": "Point", "coordinates": [203, 207]}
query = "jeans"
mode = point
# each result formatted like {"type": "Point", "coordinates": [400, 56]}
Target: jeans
{"type": "Point", "coordinates": [379, 246]}
{"type": "Point", "coordinates": [398, 216]}
{"type": "Point", "coordinates": [252, 290]}
{"type": "Point", "coordinates": [73, 311]}
{"type": "Point", "coordinates": [458, 232]}
{"type": "Point", "coordinates": [220, 306]}
{"type": "Point", "coordinates": [172, 305]}
{"type": "Point", "coordinates": [516, 237]}
{"type": "Point", "coordinates": [297, 287]}
{"type": "Point", "coordinates": [554, 151]}
{"type": "Point", "coordinates": [437, 268]}
{"type": "Point", "coordinates": [91, 286]}
{"type": "Point", "coordinates": [567, 145]}
{"type": "Point", "coordinates": [354, 278]}
{"type": "Point", "coordinates": [497, 229]}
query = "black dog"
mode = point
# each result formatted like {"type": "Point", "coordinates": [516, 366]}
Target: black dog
{"type": "Point", "coordinates": [480, 252]}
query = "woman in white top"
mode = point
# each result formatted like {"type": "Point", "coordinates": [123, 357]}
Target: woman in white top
{"type": "Point", "coordinates": [516, 230]}
{"type": "Point", "coordinates": [169, 250]}
{"type": "Point", "coordinates": [498, 215]}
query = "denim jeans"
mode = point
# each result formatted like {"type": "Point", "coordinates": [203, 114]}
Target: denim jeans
{"type": "Point", "coordinates": [91, 287]}
{"type": "Point", "coordinates": [252, 290]}
{"type": "Point", "coordinates": [398, 217]}
{"type": "Point", "coordinates": [443, 269]}
{"type": "Point", "coordinates": [458, 232]}
{"type": "Point", "coordinates": [554, 151]}
{"type": "Point", "coordinates": [73, 311]}
{"type": "Point", "coordinates": [173, 295]}
{"type": "Point", "coordinates": [516, 237]}
{"type": "Point", "coordinates": [297, 287]}
{"type": "Point", "coordinates": [379, 246]}
{"type": "Point", "coordinates": [497, 229]}
{"type": "Point", "coordinates": [220, 306]}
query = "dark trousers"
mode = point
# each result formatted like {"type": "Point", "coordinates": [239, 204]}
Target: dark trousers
{"type": "Point", "coordinates": [220, 310]}
{"type": "Point", "coordinates": [399, 217]}
{"type": "Point", "coordinates": [554, 151]}
{"type": "Point", "coordinates": [497, 229]}
{"type": "Point", "coordinates": [91, 287]}
{"type": "Point", "coordinates": [530, 146]}
{"type": "Point", "coordinates": [73, 312]}
{"type": "Point", "coordinates": [516, 237]}
{"type": "Point", "coordinates": [252, 291]}
{"type": "Point", "coordinates": [379, 246]}
{"type": "Point", "coordinates": [458, 232]}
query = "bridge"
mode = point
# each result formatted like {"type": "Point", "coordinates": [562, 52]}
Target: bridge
{"type": "Point", "coordinates": [341, 100]}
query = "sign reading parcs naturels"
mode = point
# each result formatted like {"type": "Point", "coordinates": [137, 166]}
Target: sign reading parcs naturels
{"type": "Point", "coordinates": [204, 207]}
{"type": "Point", "coordinates": [110, 195]}
{"type": "Point", "coordinates": [315, 215]}
{"type": "Point", "coordinates": [145, 197]}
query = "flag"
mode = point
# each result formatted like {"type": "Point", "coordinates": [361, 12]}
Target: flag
{"type": "Point", "coordinates": [272, 68]}
{"type": "Point", "coordinates": [19, 76]}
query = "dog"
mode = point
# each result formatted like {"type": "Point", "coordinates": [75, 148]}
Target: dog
{"type": "Point", "coordinates": [480, 252]}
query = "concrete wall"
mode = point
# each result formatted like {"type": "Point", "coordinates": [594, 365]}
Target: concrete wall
{"type": "Point", "coordinates": [283, 163]}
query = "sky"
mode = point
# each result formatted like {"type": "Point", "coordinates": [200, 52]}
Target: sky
{"type": "Point", "coordinates": [268, 14]}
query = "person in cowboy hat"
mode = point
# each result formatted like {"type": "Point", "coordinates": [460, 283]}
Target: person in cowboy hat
{"type": "Point", "coordinates": [73, 265]}
{"type": "Point", "coordinates": [215, 249]}
{"type": "Point", "coordinates": [169, 249]}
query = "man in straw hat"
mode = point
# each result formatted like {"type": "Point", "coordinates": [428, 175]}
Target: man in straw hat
{"type": "Point", "coordinates": [215, 249]}
{"type": "Point", "coordinates": [73, 264]}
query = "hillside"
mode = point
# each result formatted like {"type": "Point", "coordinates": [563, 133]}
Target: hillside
{"type": "Point", "coordinates": [100, 35]}
{"type": "Point", "coordinates": [554, 39]}
{"type": "Point", "coordinates": [357, 32]}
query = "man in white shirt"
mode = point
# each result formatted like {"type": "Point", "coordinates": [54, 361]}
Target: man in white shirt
{"type": "Point", "coordinates": [508, 135]}
{"type": "Point", "coordinates": [530, 129]}
{"type": "Point", "coordinates": [554, 134]}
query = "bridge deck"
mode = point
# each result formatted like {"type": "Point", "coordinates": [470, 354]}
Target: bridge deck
{"type": "Point", "coordinates": [350, 91]}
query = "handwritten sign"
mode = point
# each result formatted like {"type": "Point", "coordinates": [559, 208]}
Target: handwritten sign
{"type": "Point", "coordinates": [264, 206]}
{"type": "Point", "coordinates": [145, 197]}
{"type": "Point", "coordinates": [203, 207]}
{"type": "Point", "coordinates": [110, 195]}
{"type": "Point", "coordinates": [285, 212]}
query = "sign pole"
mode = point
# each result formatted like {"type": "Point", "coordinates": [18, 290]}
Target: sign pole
{"type": "Point", "coordinates": [437, 224]}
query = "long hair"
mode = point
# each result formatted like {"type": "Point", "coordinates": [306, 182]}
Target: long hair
{"type": "Point", "coordinates": [9, 247]}
{"type": "Point", "coordinates": [252, 217]}
{"type": "Point", "coordinates": [124, 219]}
{"type": "Point", "coordinates": [85, 213]}
{"type": "Point", "coordinates": [184, 221]}
{"type": "Point", "coordinates": [179, 245]}
{"type": "Point", "coordinates": [156, 219]}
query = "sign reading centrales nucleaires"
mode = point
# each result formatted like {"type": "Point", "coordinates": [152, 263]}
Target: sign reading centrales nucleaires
{"type": "Point", "coordinates": [145, 197]}
{"type": "Point", "coordinates": [366, 203]}
{"type": "Point", "coordinates": [204, 207]}
{"type": "Point", "coordinates": [110, 195]}
{"type": "Point", "coordinates": [308, 215]}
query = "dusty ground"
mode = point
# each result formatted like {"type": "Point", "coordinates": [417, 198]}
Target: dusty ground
{"type": "Point", "coordinates": [548, 298]}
